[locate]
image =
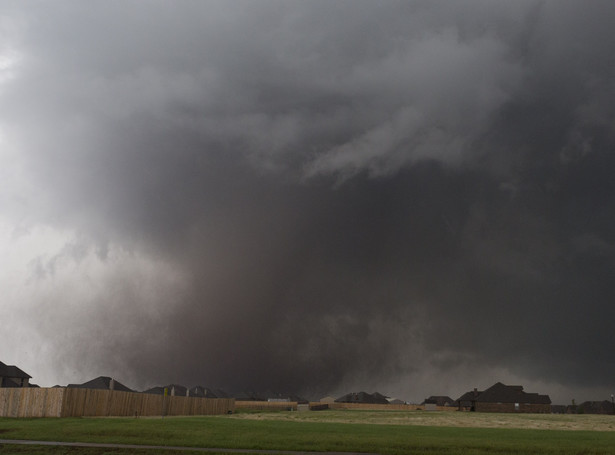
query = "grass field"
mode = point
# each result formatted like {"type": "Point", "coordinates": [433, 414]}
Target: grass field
{"type": "Point", "coordinates": [353, 431]}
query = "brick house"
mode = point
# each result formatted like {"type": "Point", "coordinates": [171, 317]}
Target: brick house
{"type": "Point", "coordinates": [595, 407]}
{"type": "Point", "coordinates": [504, 398]}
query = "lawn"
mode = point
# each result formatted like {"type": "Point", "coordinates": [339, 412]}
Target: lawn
{"type": "Point", "coordinates": [350, 431]}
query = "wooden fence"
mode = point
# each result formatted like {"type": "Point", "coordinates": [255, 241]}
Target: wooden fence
{"type": "Point", "coordinates": [375, 407]}
{"type": "Point", "coordinates": [266, 405]}
{"type": "Point", "coordinates": [60, 402]}
{"type": "Point", "coordinates": [31, 402]}
{"type": "Point", "coordinates": [69, 402]}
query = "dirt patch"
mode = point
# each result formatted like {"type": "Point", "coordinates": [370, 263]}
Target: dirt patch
{"type": "Point", "coordinates": [448, 419]}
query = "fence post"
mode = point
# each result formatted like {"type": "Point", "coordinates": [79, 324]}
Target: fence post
{"type": "Point", "coordinates": [164, 399]}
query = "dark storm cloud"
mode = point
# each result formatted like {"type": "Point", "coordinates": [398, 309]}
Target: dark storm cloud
{"type": "Point", "coordinates": [348, 190]}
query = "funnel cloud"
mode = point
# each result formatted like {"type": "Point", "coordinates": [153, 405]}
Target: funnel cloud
{"type": "Point", "coordinates": [310, 197]}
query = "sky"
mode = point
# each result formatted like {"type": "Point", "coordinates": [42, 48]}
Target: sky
{"type": "Point", "coordinates": [409, 197]}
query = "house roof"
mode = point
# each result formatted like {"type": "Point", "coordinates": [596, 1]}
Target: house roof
{"type": "Point", "coordinates": [501, 393]}
{"type": "Point", "coordinates": [380, 397]}
{"type": "Point", "coordinates": [158, 390]}
{"type": "Point", "coordinates": [468, 398]}
{"type": "Point", "coordinates": [180, 390]}
{"type": "Point", "coordinates": [101, 383]}
{"type": "Point", "coordinates": [11, 371]}
{"type": "Point", "coordinates": [200, 391]}
{"type": "Point", "coordinates": [363, 397]}
{"type": "Point", "coordinates": [439, 400]}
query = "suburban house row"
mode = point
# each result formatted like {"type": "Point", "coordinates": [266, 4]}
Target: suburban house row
{"type": "Point", "coordinates": [497, 398]}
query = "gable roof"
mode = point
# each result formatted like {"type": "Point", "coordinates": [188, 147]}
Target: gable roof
{"type": "Point", "coordinates": [101, 383]}
{"type": "Point", "coordinates": [439, 400]}
{"type": "Point", "coordinates": [500, 393]}
{"type": "Point", "coordinates": [468, 398]}
{"type": "Point", "coordinates": [11, 371]}
{"type": "Point", "coordinates": [363, 397]}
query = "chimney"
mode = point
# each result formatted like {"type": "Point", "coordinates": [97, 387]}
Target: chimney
{"type": "Point", "coordinates": [111, 384]}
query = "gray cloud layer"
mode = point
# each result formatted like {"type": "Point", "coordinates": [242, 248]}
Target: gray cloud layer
{"type": "Point", "coordinates": [335, 193]}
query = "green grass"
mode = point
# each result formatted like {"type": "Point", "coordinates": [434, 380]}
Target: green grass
{"type": "Point", "coordinates": [8, 449]}
{"type": "Point", "coordinates": [233, 432]}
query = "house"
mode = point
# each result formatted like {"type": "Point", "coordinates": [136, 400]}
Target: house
{"type": "Point", "coordinates": [467, 401]}
{"type": "Point", "coordinates": [327, 399]}
{"type": "Point", "coordinates": [11, 376]}
{"type": "Point", "coordinates": [504, 398]}
{"type": "Point", "coordinates": [596, 407]}
{"type": "Point", "coordinates": [363, 397]}
{"type": "Point", "coordinates": [204, 392]}
{"type": "Point", "coordinates": [274, 397]}
{"type": "Point", "coordinates": [439, 400]}
{"type": "Point", "coordinates": [101, 383]}
{"type": "Point", "coordinates": [174, 390]}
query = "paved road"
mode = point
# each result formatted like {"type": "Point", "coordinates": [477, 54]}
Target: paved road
{"type": "Point", "coordinates": [194, 449]}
